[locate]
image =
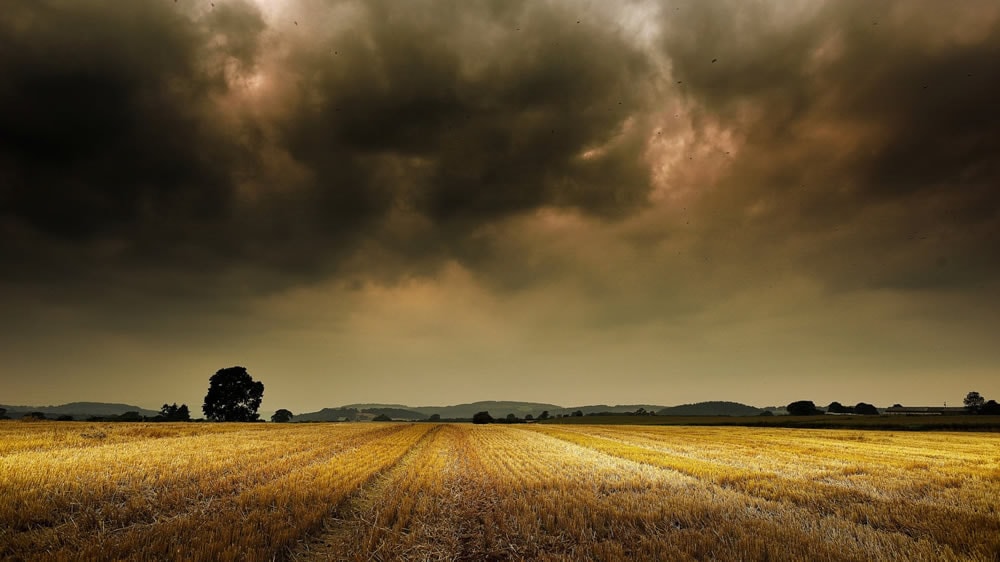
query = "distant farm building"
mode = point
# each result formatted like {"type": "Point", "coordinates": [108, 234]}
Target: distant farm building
{"type": "Point", "coordinates": [924, 410]}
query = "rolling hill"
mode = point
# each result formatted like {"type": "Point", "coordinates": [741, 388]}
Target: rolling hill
{"type": "Point", "coordinates": [79, 410]}
{"type": "Point", "coordinates": [715, 408]}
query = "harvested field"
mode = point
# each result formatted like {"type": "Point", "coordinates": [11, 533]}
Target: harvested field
{"type": "Point", "coordinates": [81, 491]}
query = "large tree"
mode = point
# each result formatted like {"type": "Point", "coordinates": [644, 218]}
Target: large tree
{"type": "Point", "coordinates": [233, 396]}
{"type": "Point", "coordinates": [973, 402]}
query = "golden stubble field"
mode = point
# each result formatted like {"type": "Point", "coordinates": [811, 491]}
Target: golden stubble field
{"type": "Point", "coordinates": [394, 491]}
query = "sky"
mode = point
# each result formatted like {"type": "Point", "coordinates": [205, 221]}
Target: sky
{"type": "Point", "coordinates": [564, 201]}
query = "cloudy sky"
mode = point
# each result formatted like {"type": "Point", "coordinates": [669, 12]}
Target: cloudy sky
{"type": "Point", "coordinates": [431, 202]}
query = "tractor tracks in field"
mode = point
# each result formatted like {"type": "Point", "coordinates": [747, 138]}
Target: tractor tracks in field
{"type": "Point", "coordinates": [352, 532]}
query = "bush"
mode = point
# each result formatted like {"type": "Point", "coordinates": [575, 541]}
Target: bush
{"type": "Point", "coordinates": [282, 416]}
{"type": "Point", "coordinates": [173, 412]}
{"type": "Point", "coordinates": [865, 409]}
{"type": "Point", "coordinates": [838, 408]}
{"type": "Point", "coordinates": [803, 408]}
{"type": "Point", "coordinates": [990, 408]}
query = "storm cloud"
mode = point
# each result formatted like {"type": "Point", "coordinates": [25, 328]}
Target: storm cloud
{"type": "Point", "coordinates": [198, 136]}
{"type": "Point", "coordinates": [652, 179]}
{"type": "Point", "coordinates": [863, 126]}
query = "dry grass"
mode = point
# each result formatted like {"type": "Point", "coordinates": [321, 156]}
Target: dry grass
{"type": "Point", "coordinates": [208, 492]}
{"type": "Point", "coordinates": [77, 491]}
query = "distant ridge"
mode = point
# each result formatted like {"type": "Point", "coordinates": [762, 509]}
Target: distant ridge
{"type": "Point", "coordinates": [605, 409]}
{"type": "Point", "coordinates": [455, 412]}
{"type": "Point", "coordinates": [328, 414]}
{"type": "Point", "coordinates": [496, 408]}
{"type": "Point", "coordinates": [395, 413]}
{"type": "Point", "coordinates": [79, 410]}
{"type": "Point", "coordinates": [378, 406]}
{"type": "Point", "coordinates": [714, 408]}
{"type": "Point", "coordinates": [500, 409]}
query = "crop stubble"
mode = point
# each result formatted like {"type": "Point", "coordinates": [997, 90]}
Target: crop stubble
{"type": "Point", "coordinates": [73, 491]}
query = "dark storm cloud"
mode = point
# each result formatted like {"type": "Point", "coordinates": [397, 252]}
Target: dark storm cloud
{"type": "Point", "coordinates": [125, 137]}
{"type": "Point", "coordinates": [108, 146]}
{"type": "Point", "coordinates": [157, 142]}
{"type": "Point", "coordinates": [370, 196]}
{"type": "Point", "coordinates": [464, 114]}
{"type": "Point", "coordinates": [868, 128]}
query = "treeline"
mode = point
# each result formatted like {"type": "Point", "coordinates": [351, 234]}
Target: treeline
{"type": "Point", "coordinates": [168, 413]}
{"type": "Point", "coordinates": [975, 403]}
{"type": "Point", "coordinates": [808, 408]}
{"type": "Point", "coordinates": [485, 417]}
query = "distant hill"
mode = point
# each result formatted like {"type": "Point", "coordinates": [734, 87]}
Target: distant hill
{"type": "Point", "coordinates": [497, 409]}
{"type": "Point", "coordinates": [604, 408]}
{"type": "Point", "coordinates": [396, 413]}
{"type": "Point", "coordinates": [500, 409]}
{"type": "Point", "coordinates": [79, 410]}
{"type": "Point", "coordinates": [328, 414]}
{"type": "Point", "coordinates": [710, 409]}
{"type": "Point", "coordinates": [376, 406]}
{"type": "Point", "coordinates": [353, 412]}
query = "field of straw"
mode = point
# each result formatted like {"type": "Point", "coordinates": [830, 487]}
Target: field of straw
{"type": "Point", "coordinates": [395, 491]}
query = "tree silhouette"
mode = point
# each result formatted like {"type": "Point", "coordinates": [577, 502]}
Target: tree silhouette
{"type": "Point", "coordinates": [282, 416]}
{"type": "Point", "coordinates": [434, 417]}
{"type": "Point", "coordinates": [973, 402]}
{"type": "Point", "coordinates": [544, 415]}
{"type": "Point", "coordinates": [838, 408]}
{"type": "Point", "coordinates": [233, 396]}
{"type": "Point", "coordinates": [173, 412]}
{"type": "Point", "coordinates": [865, 409]}
{"type": "Point", "coordinates": [990, 408]}
{"type": "Point", "coordinates": [803, 408]}
{"type": "Point", "coordinates": [482, 417]}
